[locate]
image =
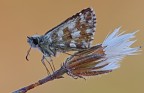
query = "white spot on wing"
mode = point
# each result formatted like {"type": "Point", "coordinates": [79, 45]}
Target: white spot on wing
{"type": "Point", "coordinates": [72, 45]}
{"type": "Point", "coordinates": [92, 37]}
{"type": "Point", "coordinates": [50, 39]}
{"type": "Point", "coordinates": [94, 17]}
{"type": "Point", "coordinates": [60, 38]}
{"type": "Point", "coordinates": [73, 41]}
{"type": "Point", "coordinates": [71, 26]}
{"type": "Point", "coordinates": [84, 44]}
{"type": "Point", "coordinates": [82, 17]}
{"type": "Point", "coordinates": [89, 31]}
{"type": "Point", "coordinates": [62, 45]}
{"type": "Point", "coordinates": [60, 33]}
{"type": "Point", "coordinates": [90, 21]}
{"type": "Point", "coordinates": [75, 34]}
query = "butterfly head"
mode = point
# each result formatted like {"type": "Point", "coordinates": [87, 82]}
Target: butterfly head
{"type": "Point", "coordinates": [33, 41]}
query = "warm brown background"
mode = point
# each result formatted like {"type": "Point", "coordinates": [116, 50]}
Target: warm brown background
{"type": "Point", "coordinates": [21, 18]}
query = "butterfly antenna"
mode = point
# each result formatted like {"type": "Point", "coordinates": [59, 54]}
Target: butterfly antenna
{"type": "Point", "coordinates": [28, 54]}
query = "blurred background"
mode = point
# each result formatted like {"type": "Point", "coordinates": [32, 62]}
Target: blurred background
{"type": "Point", "coordinates": [22, 18]}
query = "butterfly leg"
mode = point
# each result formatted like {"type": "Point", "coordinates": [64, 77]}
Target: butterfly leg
{"type": "Point", "coordinates": [52, 63]}
{"type": "Point", "coordinates": [49, 64]}
{"type": "Point", "coordinates": [42, 60]}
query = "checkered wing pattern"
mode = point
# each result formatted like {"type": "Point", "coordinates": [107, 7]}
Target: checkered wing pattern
{"type": "Point", "coordinates": [75, 33]}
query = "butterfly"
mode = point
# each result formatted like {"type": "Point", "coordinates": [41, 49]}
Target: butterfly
{"type": "Point", "coordinates": [74, 34]}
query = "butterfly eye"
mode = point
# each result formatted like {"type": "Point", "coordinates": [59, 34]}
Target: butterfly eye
{"type": "Point", "coordinates": [35, 41]}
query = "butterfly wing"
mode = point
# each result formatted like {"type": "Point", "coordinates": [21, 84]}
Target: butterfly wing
{"type": "Point", "coordinates": [75, 33]}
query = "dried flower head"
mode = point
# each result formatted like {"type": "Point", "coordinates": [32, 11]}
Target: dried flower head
{"type": "Point", "coordinates": [102, 58]}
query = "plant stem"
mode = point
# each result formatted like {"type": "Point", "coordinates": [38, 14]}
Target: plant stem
{"type": "Point", "coordinates": [56, 75]}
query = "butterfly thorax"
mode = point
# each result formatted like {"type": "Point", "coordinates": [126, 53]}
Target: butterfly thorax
{"type": "Point", "coordinates": [46, 47]}
{"type": "Point", "coordinates": [43, 44]}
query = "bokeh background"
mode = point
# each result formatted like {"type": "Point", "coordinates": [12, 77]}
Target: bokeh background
{"type": "Point", "coordinates": [22, 18]}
